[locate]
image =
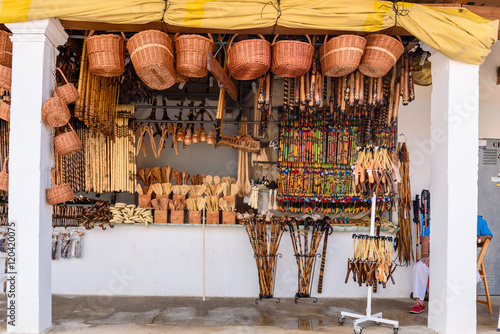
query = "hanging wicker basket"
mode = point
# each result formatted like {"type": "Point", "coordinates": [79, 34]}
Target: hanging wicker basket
{"type": "Point", "coordinates": [55, 112]}
{"type": "Point", "coordinates": [152, 54]}
{"type": "Point", "coordinates": [5, 111]}
{"type": "Point", "coordinates": [5, 75]}
{"type": "Point", "coordinates": [291, 58]}
{"type": "Point", "coordinates": [381, 53]}
{"type": "Point", "coordinates": [68, 91]}
{"type": "Point", "coordinates": [58, 193]}
{"type": "Point", "coordinates": [4, 177]}
{"type": "Point", "coordinates": [5, 49]}
{"type": "Point", "coordinates": [67, 143]}
{"type": "Point", "coordinates": [341, 55]}
{"type": "Point", "coordinates": [191, 54]}
{"type": "Point", "coordinates": [248, 59]}
{"type": "Point", "coordinates": [106, 54]}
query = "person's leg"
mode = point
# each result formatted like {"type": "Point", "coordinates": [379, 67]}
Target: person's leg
{"type": "Point", "coordinates": [420, 279]}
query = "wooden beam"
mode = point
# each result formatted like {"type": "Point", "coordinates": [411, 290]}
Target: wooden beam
{"type": "Point", "coordinates": [100, 26]}
{"type": "Point", "coordinates": [223, 79]}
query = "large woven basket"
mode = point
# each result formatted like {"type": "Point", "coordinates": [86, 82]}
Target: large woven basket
{"type": "Point", "coordinates": [248, 59]}
{"type": "Point", "coordinates": [67, 143]}
{"type": "Point", "coordinates": [68, 91]}
{"type": "Point", "coordinates": [5, 77]}
{"type": "Point", "coordinates": [5, 111]}
{"type": "Point", "coordinates": [381, 53]}
{"type": "Point", "coordinates": [58, 193]}
{"type": "Point", "coordinates": [191, 53]}
{"type": "Point", "coordinates": [4, 177]}
{"type": "Point", "coordinates": [152, 54]}
{"type": "Point", "coordinates": [291, 58]}
{"type": "Point", "coordinates": [106, 54]}
{"type": "Point", "coordinates": [55, 112]}
{"type": "Point", "coordinates": [5, 49]}
{"type": "Point", "coordinates": [341, 55]}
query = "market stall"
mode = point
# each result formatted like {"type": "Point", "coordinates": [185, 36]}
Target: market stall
{"type": "Point", "coordinates": [174, 145]}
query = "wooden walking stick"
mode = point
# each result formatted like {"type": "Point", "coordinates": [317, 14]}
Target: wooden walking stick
{"type": "Point", "coordinates": [329, 230]}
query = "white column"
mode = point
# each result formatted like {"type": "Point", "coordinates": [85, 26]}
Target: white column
{"type": "Point", "coordinates": [454, 168]}
{"type": "Point", "coordinates": [34, 51]}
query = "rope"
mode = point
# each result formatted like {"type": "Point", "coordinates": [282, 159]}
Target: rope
{"type": "Point", "coordinates": [278, 9]}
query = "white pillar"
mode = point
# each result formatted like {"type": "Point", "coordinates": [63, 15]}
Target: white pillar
{"type": "Point", "coordinates": [34, 51]}
{"type": "Point", "coordinates": [454, 168]}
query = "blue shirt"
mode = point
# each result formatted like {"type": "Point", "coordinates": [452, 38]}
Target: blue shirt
{"type": "Point", "coordinates": [482, 228]}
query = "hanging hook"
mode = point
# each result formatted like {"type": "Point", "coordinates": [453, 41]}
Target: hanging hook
{"type": "Point", "coordinates": [404, 136]}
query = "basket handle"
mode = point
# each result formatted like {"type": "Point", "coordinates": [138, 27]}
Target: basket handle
{"type": "Point", "coordinates": [93, 31]}
{"type": "Point", "coordinates": [53, 176]}
{"type": "Point", "coordinates": [4, 167]}
{"type": "Point", "coordinates": [71, 127]}
{"type": "Point", "coordinates": [7, 52]}
{"type": "Point", "coordinates": [231, 42]}
{"type": "Point", "coordinates": [274, 40]}
{"type": "Point", "coordinates": [64, 77]}
{"type": "Point", "coordinates": [209, 35]}
{"type": "Point", "coordinates": [399, 38]}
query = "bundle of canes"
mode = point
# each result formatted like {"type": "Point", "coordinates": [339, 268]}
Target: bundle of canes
{"type": "Point", "coordinates": [306, 251]}
{"type": "Point", "coordinates": [265, 247]}
{"type": "Point", "coordinates": [405, 249]}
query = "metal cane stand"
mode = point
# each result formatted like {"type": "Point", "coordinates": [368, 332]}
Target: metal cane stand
{"type": "Point", "coordinates": [377, 317]}
{"type": "Point", "coordinates": [307, 295]}
{"type": "Point", "coordinates": [270, 296]}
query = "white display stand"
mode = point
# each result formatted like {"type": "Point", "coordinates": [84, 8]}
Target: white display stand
{"type": "Point", "coordinates": [377, 317]}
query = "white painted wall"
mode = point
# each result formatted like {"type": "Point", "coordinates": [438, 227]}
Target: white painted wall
{"type": "Point", "coordinates": [166, 260]}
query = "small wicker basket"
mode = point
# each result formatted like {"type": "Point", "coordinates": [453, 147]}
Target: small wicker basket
{"type": "Point", "coordinates": [5, 111]}
{"type": "Point", "coordinates": [5, 49]}
{"type": "Point", "coordinates": [68, 91]}
{"type": "Point", "coordinates": [191, 53]}
{"type": "Point", "coordinates": [5, 77]}
{"type": "Point", "coordinates": [341, 55]}
{"type": "Point", "coordinates": [106, 54]}
{"type": "Point", "coordinates": [58, 193]}
{"type": "Point", "coordinates": [291, 58]}
{"type": "Point", "coordinates": [381, 53]}
{"type": "Point", "coordinates": [152, 54]}
{"type": "Point", "coordinates": [248, 59]}
{"type": "Point", "coordinates": [4, 176]}
{"type": "Point", "coordinates": [67, 143]}
{"type": "Point", "coordinates": [55, 112]}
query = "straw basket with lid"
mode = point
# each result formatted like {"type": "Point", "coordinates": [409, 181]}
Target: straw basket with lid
{"type": "Point", "coordinates": [58, 193]}
{"type": "Point", "coordinates": [191, 54]}
{"type": "Point", "coordinates": [106, 54]}
{"type": "Point", "coordinates": [5, 111]}
{"type": "Point", "coordinates": [5, 49]}
{"type": "Point", "coordinates": [248, 59]}
{"type": "Point", "coordinates": [68, 91]}
{"type": "Point", "coordinates": [381, 53]}
{"type": "Point", "coordinates": [4, 177]}
{"type": "Point", "coordinates": [152, 54]}
{"type": "Point", "coordinates": [67, 143]}
{"type": "Point", "coordinates": [55, 112]}
{"type": "Point", "coordinates": [291, 58]}
{"type": "Point", "coordinates": [341, 55]}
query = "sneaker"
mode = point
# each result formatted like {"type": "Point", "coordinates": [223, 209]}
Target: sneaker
{"type": "Point", "coordinates": [417, 308]}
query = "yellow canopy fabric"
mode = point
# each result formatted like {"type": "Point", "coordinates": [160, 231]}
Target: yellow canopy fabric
{"type": "Point", "coordinates": [455, 32]}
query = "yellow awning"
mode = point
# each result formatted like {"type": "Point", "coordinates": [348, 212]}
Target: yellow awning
{"type": "Point", "coordinates": [455, 32]}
